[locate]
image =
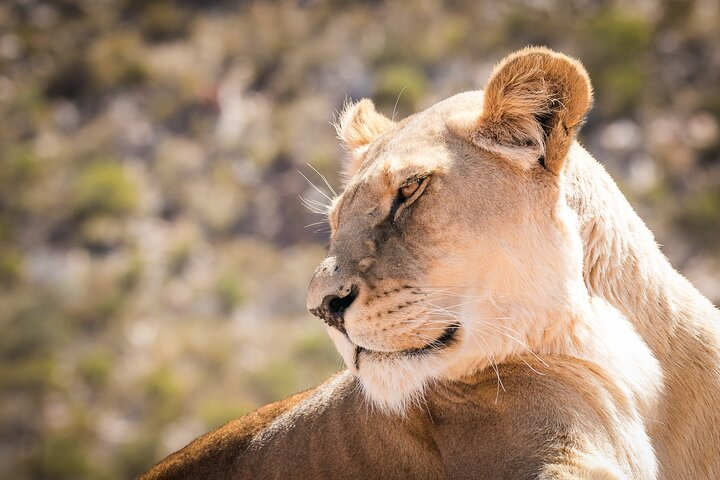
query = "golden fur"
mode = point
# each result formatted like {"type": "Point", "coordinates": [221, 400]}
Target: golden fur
{"type": "Point", "coordinates": [569, 423]}
{"type": "Point", "coordinates": [516, 259]}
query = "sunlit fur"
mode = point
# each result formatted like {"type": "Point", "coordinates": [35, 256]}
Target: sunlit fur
{"type": "Point", "coordinates": [510, 274]}
{"type": "Point", "coordinates": [580, 353]}
{"type": "Point", "coordinates": [491, 246]}
{"type": "Point", "coordinates": [508, 242]}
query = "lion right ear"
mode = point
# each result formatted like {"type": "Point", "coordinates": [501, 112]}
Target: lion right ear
{"type": "Point", "coordinates": [534, 103]}
{"type": "Point", "coordinates": [357, 126]}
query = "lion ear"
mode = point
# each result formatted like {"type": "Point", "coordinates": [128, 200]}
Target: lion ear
{"type": "Point", "coordinates": [534, 103]}
{"type": "Point", "coordinates": [357, 126]}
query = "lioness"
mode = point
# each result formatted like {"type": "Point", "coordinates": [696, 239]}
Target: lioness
{"type": "Point", "coordinates": [498, 303]}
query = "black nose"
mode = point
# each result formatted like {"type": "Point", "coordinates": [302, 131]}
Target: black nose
{"type": "Point", "coordinates": [333, 308]}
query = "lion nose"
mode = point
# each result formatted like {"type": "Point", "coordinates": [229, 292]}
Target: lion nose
{"type": "Point", "coordinates": [333, 307]}
{"type": "Point", "coordinates": [331, 293]}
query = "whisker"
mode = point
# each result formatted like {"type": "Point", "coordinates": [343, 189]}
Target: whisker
{"type": "Point", "coordinates": [507, 328]}
{"type": "Point", "coordinates": [314, 206]}
{"type": "Point", "coordinates": [317, 203]}
{"type": "Point", "coordinates": [493, 363]}
{"type": "Point", "coordinates": [332, 190]}
{"type": "Point", "coordinates": [526, 348]}
{"type": "Point", "coordinates": [465, 303]}
{"type": "Point", "coordinates": [315, 223]}
{"type": "Point", "coordinates": [523, 359]}
{"type": "Point", "coordinates": [438, 308]}
{"type": "Point", "coordinates": [315, 186]}
{"type": "Point", "coordinates": [307, 205]}
{"type": "Point", "coordinates": [392, 118]}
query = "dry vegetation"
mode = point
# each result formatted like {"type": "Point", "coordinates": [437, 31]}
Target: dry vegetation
{"type": "Point", "coordinates": [154, 253]}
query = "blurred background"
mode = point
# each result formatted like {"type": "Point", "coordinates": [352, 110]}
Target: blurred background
{"type": "Point", "coordinates": [154, 251]}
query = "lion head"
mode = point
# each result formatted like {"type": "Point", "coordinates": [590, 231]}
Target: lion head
{"type": "Point", "coordinates": [452, 247]}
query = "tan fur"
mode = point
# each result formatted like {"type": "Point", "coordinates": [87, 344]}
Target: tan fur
{"type": "Point", "coordinates": [358, 125]}
{"type": "Point", "coordinates": [548, 426]}
{"type": "Point", "coordinates": [534, 102]}
{"type": "Point", "coordinates": [523, 249]}
{"type": "Point", "coordinates": [623, 264]}
{"type": "Point", "coordinates": [510, 275]}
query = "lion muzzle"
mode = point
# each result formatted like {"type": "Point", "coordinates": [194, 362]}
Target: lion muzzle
{"type": "Point", "coordinates": [330, 294]}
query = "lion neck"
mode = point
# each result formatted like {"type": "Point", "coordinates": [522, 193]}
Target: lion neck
{"type": "Point", "coordinates": [622, 262]}
{"type": "Point", "coordinates": [576, 325]}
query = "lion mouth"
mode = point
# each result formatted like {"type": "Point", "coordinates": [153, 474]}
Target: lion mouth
{"type": "Point", "coordinates": [443, 341]}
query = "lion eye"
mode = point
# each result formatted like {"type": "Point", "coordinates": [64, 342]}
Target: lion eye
{"type": "Point", "coordinates": [408, 193]}
{"type": "Point", "coordinates": [407, 190]}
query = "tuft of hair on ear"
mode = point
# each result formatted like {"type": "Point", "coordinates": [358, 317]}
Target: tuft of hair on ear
{"type": "Point", "coordinates": [357, 125]}
{"type": "Point", "coordinates": [534, 103]}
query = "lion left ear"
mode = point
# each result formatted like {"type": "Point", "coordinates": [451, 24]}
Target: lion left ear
{"type": "Point", "coordinates": [534, 103]}
{"type": "Point", "coordinates": [357, 126]}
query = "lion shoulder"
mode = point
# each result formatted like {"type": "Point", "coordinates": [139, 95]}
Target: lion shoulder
{"type": "Point", "coordinates": [214, 454]}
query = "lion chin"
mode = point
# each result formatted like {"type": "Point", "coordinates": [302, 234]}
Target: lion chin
{"type": "Point", "coordinates": [395, 380]}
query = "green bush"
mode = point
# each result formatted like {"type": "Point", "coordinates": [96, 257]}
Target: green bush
{"type": "Point", "coordinates": [402, 83]}
{"type": "Point", "coordinates": [217, 412]}
{"type": "Point", "coordinates": [104, 188]}
{"type": "Point", "coordinates": [64, 455]}
{"type": "Point", "coordinates": [137, 454]}
{"type": "Point", "coordinates": [229, 290]}
{"type": "Point", "coordinates": [164, 394]}
{"type": "Point", "coordinates": [94, 367]}
{"type": "Point", "coordinates": [11, 267]}
{"type": "Point", "coordinates": [701, 216]}
{"type": "Point", "coordinates": [617, 42]}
